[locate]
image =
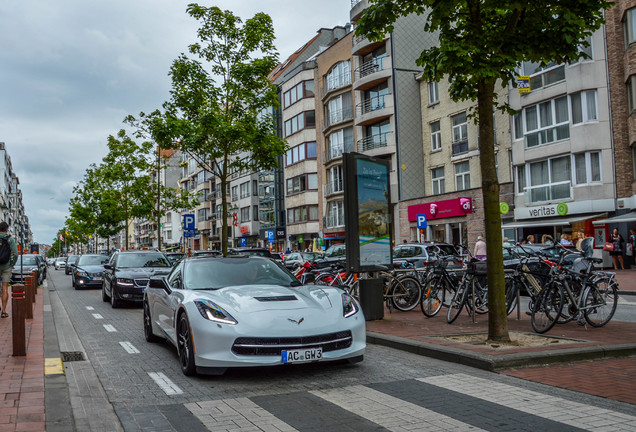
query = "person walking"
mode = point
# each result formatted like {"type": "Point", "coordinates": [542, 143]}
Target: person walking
{"type": "Point", "coordinates": [580, 236]}
{"type": "Point", "coordinates": [630, 249]}
{"type": "Point", "coordinates": [11, 257]}
{"type": "Point", "coordinates": [617, 253]}
{"type": "Point", "coordinates": [480, 248]}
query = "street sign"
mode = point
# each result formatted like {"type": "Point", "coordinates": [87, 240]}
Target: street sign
{"type": "Point", "coordinates": [243, 242]}
{"type": "Point", "coordinates": [271, 236]}
{"type": "Point", "coordinates": [421, 221]}
{"type": "Point", "coordinates": [188, 222]}
{"type": "Point", "coordinates": [189, 233]}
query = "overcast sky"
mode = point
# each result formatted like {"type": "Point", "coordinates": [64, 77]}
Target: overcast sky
{"type": "Point", "coordinates": [71, 70]}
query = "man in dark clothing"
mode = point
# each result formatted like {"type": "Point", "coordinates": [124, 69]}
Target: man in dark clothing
{"type": "Point", "coordinates": [5, 269]}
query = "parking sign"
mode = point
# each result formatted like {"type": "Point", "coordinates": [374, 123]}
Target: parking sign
{"type": "Point", "coordinates": [421, 221]}
{"type": "Point", "coordinates": [188, 222]}
{"type": "Point", "coordinates": [270, 236]}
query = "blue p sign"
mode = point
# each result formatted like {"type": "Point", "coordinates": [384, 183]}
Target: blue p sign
{"type": "Point", "coordinates": [188, 222]}
{"type": "Point", "coordinates": [421, 221]}
{"type": "Point", "coordinates": [270, 236]}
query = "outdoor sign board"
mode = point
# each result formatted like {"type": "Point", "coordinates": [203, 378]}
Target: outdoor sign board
{"type": "Point", "coordinates": [441, 209]}
{"type": "Point", "coordinates": [188, 222]}
{"type": "Point", "coordinates": [367, 212]}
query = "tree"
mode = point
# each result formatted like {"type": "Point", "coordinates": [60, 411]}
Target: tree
{"type": "Point", "coordinates": [481, 42]}
{"type": "Point", "coordinates": [215, 114]}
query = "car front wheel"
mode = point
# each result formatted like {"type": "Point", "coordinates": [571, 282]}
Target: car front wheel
{"type": "Point", "coordinates": [105, 297]}
{"type": "Point", "coordinates": [185, 346]}
{"type": "Point", "coordinates": [114, 301]}
{"type": "Point", "coordinates": [148, 334]}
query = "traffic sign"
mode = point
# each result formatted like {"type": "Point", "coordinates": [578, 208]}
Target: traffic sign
{"type": "Point", "coordinates": [421, 221]}
{"type": "Point", "coordinates": [243, 242]}
{"type": "Point", "coordinates": [189, 233]}
{"type": "Point", "coordinates": [188, 222]}
{"type": "Point", "coordinates": [270, 236]}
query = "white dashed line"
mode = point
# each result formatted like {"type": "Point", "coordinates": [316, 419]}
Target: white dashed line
{"type": "Point", "coordinates": [98, 316]}
{"type": "Point", "coordinates": [90, 308]}
{"type": "Point", "coordinates": [109, 328]}
{"type": "Point", "coordinates": [165, 384]}
{"type": "Point", "coordinates": [130, 348]}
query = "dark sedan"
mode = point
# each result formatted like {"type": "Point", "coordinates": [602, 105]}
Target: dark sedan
{"type": "Point", "coordinates": [70, 262]}
{"type": "Point", "coordinates": [89, 271]}
{"type": "Point", "coordinates": [126, 275]}
{"type": "Point", "coordinates": [25, 265]}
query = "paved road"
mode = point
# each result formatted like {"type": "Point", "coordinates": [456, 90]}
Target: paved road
{"type": "Point", "coordinates": [390, 390]}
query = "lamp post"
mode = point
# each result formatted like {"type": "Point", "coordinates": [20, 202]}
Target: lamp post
{"type": "Point", "coordinates": [233, 210]}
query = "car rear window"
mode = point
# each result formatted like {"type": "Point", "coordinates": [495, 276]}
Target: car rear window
{"type": "Point", "coordinates": [142, 260]}
{"type": "Point", "coordinates": [92, 260]}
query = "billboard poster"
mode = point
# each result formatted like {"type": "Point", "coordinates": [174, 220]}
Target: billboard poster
{"type": "Point", "coordinates": [373, 212]}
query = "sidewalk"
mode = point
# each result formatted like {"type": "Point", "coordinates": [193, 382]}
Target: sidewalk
{"type": "Point", "coordinates": [611, 374]}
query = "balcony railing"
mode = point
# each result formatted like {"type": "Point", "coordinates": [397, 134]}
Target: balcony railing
{"type": "Point", "coordinates": [372, 66]}
{"type": "Point", "coordinates": [550, 192]}
{"type": "Point", "coordinates": [336, 81]}
{"type": "Point", "coordinates": [333, 187]}
{"type": "Point", "coordinates": [460, 147]}
{"type": "Point", "coordinates": [371, 104]}
{"type": "Point", "coordinates": [354, 2]}
{"type": "Point", "coordinates": [338, 116]}
{"type": "Point", "coordinates": [373, 141]}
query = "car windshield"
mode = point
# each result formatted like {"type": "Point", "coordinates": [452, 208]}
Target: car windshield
{"type": "Point", "coordinates": [28, 260]}
{"type": "Point", "coordinates": [92, 260]}
{"type": "Point", "coordinates": [333, 251]}
{"type": "Point", "coordinates": [404, 252]}
{"type": "Point", "coordinates": [220, 273]}
{"type": "Point", "coordinates": [126, 260]}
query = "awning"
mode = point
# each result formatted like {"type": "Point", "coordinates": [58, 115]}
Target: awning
{"type": "Point", "coordinates": [561, 221]}
{"type": "Point", "coordinates": [627, 217]}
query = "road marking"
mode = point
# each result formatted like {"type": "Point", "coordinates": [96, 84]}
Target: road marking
{"type": "Point", "coordinates": [165, 384]}
{"type": "Point", "coordinates": [130, 348]}
{"type": "Point", "coordinates": [549, 407]}
{"type": "Point", "coordinates": [53, 366]}
{"type": "Point", "coordinates": [98, 316]}
{"type": "Point", "coordinates": [90, 308]}
{"type": "Point", "coordinates": [623, 300]}
{"type": "Point", "coordinates": [109, 328]}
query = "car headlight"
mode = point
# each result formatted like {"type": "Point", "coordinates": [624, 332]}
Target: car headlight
{"type": "Point", "coordinates": [349, 305]}
{"type": "Point", "coordinates": [214, 312]}
{"type": "Point", "coordinates": [125, 282]}
{"type": "Point", "coordinates": [81, 273]}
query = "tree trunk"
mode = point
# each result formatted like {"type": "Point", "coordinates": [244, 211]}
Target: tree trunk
{"type": "Point", "coordinates": [497, 318]}
{"type": "Point", "coordinates": [224, 207]}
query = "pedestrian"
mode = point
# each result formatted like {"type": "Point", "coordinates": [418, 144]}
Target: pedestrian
{"type": "Point", "coordinates": [480, 249]}
{"type": "Point", "coordinates": [530, 239]}
{"type": "Point", "coordinates": [547, 239]}
{"type": "Point", "coordinates": [617, 253]}
{"type": "Point", "coordinates": [579, 239]}
{"type": "Point", "coordinates": [404, 241]}
{"type": "Point", "coordinates": [287, 251]}
{"type": "Point", "coordinates": [6, 241]}
{"type": "Point", "coordinates": [565, 241]}
{"type": "Point", "coordinates": [630, 247]}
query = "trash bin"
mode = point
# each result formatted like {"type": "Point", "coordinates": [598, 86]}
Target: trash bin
{"type": "Point", "coordinates": [372, 298]}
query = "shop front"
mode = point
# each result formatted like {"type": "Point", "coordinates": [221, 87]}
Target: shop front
{"type": "Point", "coordinates": [445, 221]}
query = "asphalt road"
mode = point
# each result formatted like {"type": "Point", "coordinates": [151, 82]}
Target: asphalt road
{"type": "Point", "coordinates": [389, 390]}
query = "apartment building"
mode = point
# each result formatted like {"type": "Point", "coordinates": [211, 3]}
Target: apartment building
{"type": "Point", "coordinates": [452, 198]}
{"type": "Point", "coordinates": [171, 225]}
{"type": "Point", "coordinates": [562, 151]}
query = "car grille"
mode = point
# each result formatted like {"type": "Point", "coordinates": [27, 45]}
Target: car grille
{"type": "Point", "coordinates": [141, 282]}
{"type": "Point", "coordinates": [272, 346]}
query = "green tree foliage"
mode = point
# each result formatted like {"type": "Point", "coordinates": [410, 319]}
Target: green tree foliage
{"type": "Point", "coordinates": [481, 42]}
{"type": "Point", "coordinates": [218, 98]}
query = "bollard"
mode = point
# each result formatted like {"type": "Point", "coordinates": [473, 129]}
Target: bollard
{"type": "Point", "coordinates": [29, 283]}
{"type": "Point", "coordinates": [34, 273]}
{"type": "Point", "coordinates": [17, 313]}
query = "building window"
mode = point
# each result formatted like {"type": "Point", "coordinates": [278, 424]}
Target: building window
{"type": "Point", "coordinates": [437, 180]}
{"type": "Point", "coordinates": [460, 133]}
{"type": "Point", "coordinates": [235, 193]}
{"type": "Point", "coordinates": [245, 189]}
{"type": "Point", "coordinates": [338, 76]}
{"type": "Point", "coordinates": [302, 214]}
{"type": "Point", "coordinates": [302, 183]}
{"type": "Point", "coordinates": [631, 93]}
{"type": "Point", "coordinates": [339, 109]}
{"type": "Point", "coordinates": [297, 123]}
{"type": "Point", "coordinates": [587, 167]}
{"type": "Point", "coordinates": [335, 214]}
{"type": "Point", "coordinates": [583, 106]}
{"type": "Point", "coordinates": [300, 153]}
{"type": "Point", "coordinates": [334, 180]}
{"type": "Point", "coordinates": [301, 90]}
{"type": "Point", "coordinates": [543, 123]}
{"type": "Point", "coordinates": [375, 136]}
{"type": "Point", "coordinates": [629, 26]}
{"type": "Point", "coordinates": [541, 76]}
{"type": "Point", "coordinates": [372, 62]}
{"type": "Point", "coordinates": [548, 180]}
{"type": "Point", "coordinates": [433, 93]}
{"type": "Point", "coordinates": [462, 176]}
{"type": "Point", "coordinates": [202, 214]}
{"type": "Point", "coordinates": [341, 141]}
{"type": "Point", "coordinates": [245, 214]}
{"type": "Point", "coordinates": [374, 98]}
{"type": "Point", "coordinates": [168, 235]}
{"type": "Point", "coordinates": [436, 136]}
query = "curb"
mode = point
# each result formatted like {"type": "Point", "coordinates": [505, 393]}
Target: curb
{"type": "Point", "coordinates": [505, 361]}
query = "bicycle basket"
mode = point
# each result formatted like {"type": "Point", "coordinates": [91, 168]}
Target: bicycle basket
{"type": "Point", "coordinates": [477, 268]}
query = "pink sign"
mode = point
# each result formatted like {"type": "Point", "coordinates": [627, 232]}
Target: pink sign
{"type": "Point", "coordinates": [442, 209]}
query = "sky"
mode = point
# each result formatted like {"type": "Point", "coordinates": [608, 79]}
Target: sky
{"type": "Point", "coordinates": [71, 70]}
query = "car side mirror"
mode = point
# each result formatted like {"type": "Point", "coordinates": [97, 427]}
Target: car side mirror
{"type": "Point", "coordinates": [108, 267]}
{"type": "Point", "coordinates": [159, 282]}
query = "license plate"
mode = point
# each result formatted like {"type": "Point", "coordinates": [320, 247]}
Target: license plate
{"type": "Point", "coordinates": [96, 278]}
{"type": "Point", "coordinates": [302, 355]}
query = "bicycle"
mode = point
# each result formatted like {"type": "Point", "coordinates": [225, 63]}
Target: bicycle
{"type": "Point", "coordinates": [439, 287]}
{"type": "Point", "coordinates": [472, 292]}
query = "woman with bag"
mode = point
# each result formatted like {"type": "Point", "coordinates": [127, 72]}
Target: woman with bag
{"type": "Point", "coordinates": [617, 253]}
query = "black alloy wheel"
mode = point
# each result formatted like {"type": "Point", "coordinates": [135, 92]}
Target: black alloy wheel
{"type": "Point", "coordinates": [114, 302]}
{"type": "Point", "coordinates": [185, 347]}
{"type": "Point", "coordinates": [105, 298]}
{"type": "Point", "coordinates": [148, 334]}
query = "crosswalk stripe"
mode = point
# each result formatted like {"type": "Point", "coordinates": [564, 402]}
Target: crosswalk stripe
{"type": "Point", "coordinates": [575, 414]}
{"type": "Point", "coordinates": [390, 412]}
{"type": "Point", "coordinates": [229, 414]}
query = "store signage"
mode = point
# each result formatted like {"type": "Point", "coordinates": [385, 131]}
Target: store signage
{"type": "Point", "coordinates": [560, 209]}
{"type": "Point", "coordinates": [245, 230]}
{"type": "Point", "coordinates": [441, 209]}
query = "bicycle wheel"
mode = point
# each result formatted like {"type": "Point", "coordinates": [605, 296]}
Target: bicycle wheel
{"type": "Point", "coordinates": [481, 295]}
{"type": "Point", "coordinates": [601, 299]}
{"type": "Point", "coordinates": [325, 279]}
{"type": "Point", "coordinates": [546, 308]}
{"type": "Point", "coordinates": [406, 293]}
{"type": "Point", "coordinates": [457, 302]}
{"type": "Point", "coordinates": [511, 294]}
{"type": "Point", "coordinates": [431, 302]}
{"type": "Point", "coordinates": [569, 310]}
{"type": "Point", "coordinates": [354, 290]}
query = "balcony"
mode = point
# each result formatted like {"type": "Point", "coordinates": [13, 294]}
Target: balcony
{"type": "Point", "coordinates": [372, 72]}
{"type": "Point", "coordinates": [333, 187]}
{"type": "Point", "coordinates": [460, 147]}
{"type": "Point", "coordinates": [338, 116]}
{"type": "Point", "coordinates": [374, 109]}
{"type": "Point", "coordinates": [336, 151]}
{"type": "Point", "coordinates": [335, 82]}
{"type": "Point", "coordinates": [357, 7]}
{"type": "Point", "coordinates": [373, 141]}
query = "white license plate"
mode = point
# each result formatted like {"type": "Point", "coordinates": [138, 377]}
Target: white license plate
{"type": "Point", "coordinates": [302, 355]}
{"type": "Point", "coordinates": [96, 278]}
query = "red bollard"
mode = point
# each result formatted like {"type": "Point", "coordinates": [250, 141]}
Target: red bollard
{"type": "Point", "coordinates": [29, 295]}
{"type": "Point", "coordinates": [34, 273]}
{"type": "Point", "coordinates": [18, 303]}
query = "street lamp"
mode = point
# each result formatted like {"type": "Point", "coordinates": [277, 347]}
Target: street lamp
{"type": "Point", "coordinates": [233, 210]}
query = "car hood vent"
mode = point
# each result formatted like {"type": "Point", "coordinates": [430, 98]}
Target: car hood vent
{"type": "Point", "coordinates": [277, 298]}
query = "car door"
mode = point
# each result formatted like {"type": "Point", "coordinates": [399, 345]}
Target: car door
{"type": "Point", "coordinates": [109, 275]}
{"type": "Point", "coordinates": [164, 305]}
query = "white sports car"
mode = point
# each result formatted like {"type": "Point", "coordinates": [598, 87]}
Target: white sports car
{"type": "Point", "coordinates": [240, 311]}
